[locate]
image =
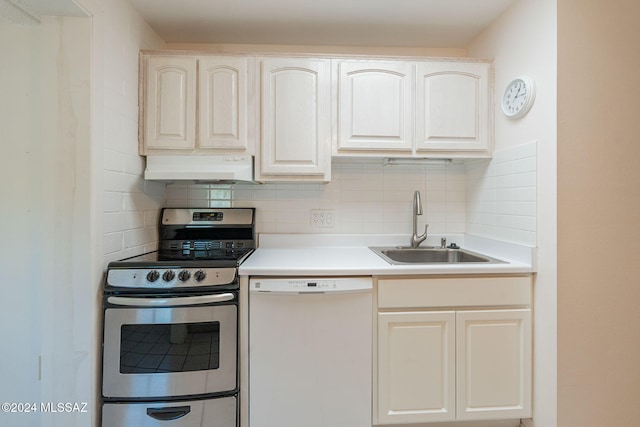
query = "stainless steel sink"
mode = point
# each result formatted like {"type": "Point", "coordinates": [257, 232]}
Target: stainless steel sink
{"type": "Point", "coordinates": [408, 255]}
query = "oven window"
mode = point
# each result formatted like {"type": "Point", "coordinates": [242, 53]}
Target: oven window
{"type": "Point", "coordinates": [179, 347]}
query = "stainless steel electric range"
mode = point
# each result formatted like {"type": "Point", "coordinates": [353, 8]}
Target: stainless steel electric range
{"type": "Point", "coordinates": [170, 334]}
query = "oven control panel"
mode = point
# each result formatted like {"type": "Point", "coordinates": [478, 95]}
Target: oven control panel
{"type": "Point", "coordinates": [164, 278]}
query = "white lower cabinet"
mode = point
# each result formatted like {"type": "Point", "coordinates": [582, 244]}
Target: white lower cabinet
{"type": "Point", "coordinates": [416, 367]}
{"type": "Point", "coordinates": [441, 357]}
{"type": "Point", "coordinates": [493, 361]}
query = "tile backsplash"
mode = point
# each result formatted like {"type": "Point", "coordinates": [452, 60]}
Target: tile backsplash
{"type": "Point", "coordinates": [363, 197]}
{"type": "Point", "coordinates": [493, 198]}
{"type": "Point", "coordinates": [501, 195]}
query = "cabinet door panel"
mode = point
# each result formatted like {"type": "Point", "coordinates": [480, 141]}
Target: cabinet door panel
{"type": "Point", "coordinates": [375, 105]}
{"type": "Point", "coordinates": [452, 108]}
{"type": "Point", "coordinates": [494, 364]}
{"type": "Point", "coordinates": [416, 367]}
{"type": "Point", "coordinates": [223, 102]}
{"type": "Point", "coordinates": [170, 104]}
{"type": "Point", "coordinates": [296, 126]}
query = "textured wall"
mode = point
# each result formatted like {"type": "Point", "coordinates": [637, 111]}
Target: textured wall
{"type": "Point", "coordinates": [598, 203]}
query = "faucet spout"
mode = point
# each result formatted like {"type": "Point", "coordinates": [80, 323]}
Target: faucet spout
{"type": "Point", "coordinates": [417, 210]}
{"type": "Point", "coordinates": [417, 204]}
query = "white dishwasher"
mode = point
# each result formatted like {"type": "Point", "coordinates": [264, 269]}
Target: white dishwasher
{"type": "Point", "coordinates": [310, 352]}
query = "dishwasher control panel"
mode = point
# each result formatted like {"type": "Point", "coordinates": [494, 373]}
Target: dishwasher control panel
{"type": "Point", "coordinates": [310, 285]}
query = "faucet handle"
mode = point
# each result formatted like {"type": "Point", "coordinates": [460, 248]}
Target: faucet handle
{"type": "Point", "coordinates": [424, 235]}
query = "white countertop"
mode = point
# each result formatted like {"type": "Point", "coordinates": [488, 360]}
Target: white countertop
{"type": "Point", "coordinates": [349, 255]}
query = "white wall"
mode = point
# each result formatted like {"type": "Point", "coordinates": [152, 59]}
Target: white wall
{"type": "Point", "coordinates": [48, 343]}
{"type": "Point", "coordinates": [131, 204]}
{"type": "Point", "coordinates": [325, 50]}
{"type": "Point", "coordinates": [19, 314]}
{"type": "Point", "coordinates": [523, 41]}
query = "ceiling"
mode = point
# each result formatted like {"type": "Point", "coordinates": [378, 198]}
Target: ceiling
{"type": "Point", "coordinates": [399, 23]}
{"type": "Point", "coordinates": [29, 12]}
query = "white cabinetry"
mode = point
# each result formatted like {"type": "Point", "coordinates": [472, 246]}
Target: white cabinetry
{"type": "Point", "coordinates": [295, 138]}
{"type": "Point", "coordinates": [442, 358]}
{"type": "Point", "coordinates": [414, 109]}
{"type": "Point", "coordinates": [416, 366]}
{"type": "Point", "coordinates": [494, 364]}
{"type": "Point", "coordinates": [294, 113]}
{"type": "Point", "coordinates": [375, 104]}
{"type": "Point", "coordinates": [223, 102]}
{"type": "Point", "coordinates": [169, 103]}
{"type": "Point", "coordinates": [452, 106]}
{"type": "Point", "coordinates": [177, 88]}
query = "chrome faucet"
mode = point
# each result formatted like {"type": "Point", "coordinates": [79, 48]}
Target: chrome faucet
{"type": "Point", "coordinates": [417, 210]}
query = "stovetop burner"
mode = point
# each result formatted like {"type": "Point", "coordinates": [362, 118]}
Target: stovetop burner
{"type": "Point", "coordinates": [185, 258]}
{"type": "Point", "coordinates": [198, 248]}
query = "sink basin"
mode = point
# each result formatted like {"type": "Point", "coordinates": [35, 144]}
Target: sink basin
{"type": "Point", "coordinates": [407, 255]}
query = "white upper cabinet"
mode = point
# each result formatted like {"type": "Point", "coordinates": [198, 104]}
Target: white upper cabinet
{"type": "Point", "coordinates": [414, 109]}
{"type": "Point", "coordinates": [295, 138]}
{"type": "Point", "coordinates": [179, 88]}
{"type": "Point", "coordinates": [375, 105]}
{"type": "Point", "coordinates": [170, 102]}
{"type": "Point", "coordinates": [223, 102]}
{"type": "Point", "coordinates": [452, 106]}
{"type": "Point", "coordinates": [294, 113]}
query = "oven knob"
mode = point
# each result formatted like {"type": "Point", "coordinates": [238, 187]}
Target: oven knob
{"type": "Point", "coordinates": [153, 275]}
{"type": "Point", "coordinates": [199, 275]}
{"type": "Point", "coordinates": [168, 276]}
{"type": "Point", "coordinates": [184, 275]}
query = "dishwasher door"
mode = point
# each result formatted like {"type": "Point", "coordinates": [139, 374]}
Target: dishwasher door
{"type": "Point", "coordinates": [310, 352]}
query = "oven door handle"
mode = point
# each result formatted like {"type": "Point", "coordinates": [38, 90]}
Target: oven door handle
{"type": "Point", "coordinates": [170, 302]}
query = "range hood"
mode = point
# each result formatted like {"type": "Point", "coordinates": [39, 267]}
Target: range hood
{"type": "Point", "coordinates": [223, 169]}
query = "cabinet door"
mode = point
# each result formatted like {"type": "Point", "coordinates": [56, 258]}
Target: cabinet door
{"type": "Point", "coordinates": [494, 364]}
{"type": "Point", "coordinates": [416, 367]}
{"type": "Point", "coordinates": [375, 105]}
{"type": "Point", "coordinates": [222, 103]}
{"type": "Point", "coordinates": [453, 106]}
{"type": "Point", "coordinates": [170, 102]}
{"type": "Point", "coordinates": [296, 122]}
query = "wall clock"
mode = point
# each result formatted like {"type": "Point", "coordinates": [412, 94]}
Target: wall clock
{"type": "Point", "coordinates": [518, 97]}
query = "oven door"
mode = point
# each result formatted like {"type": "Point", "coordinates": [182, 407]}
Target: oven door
{"type": "Point", "coordinates": [171, 347]}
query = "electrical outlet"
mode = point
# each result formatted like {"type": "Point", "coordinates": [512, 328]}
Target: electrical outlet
{"type": "Point", "coordinates": [322, 217]}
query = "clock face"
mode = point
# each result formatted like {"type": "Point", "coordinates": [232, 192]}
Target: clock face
{"type": "Point", "coordinates": [518, 97]}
